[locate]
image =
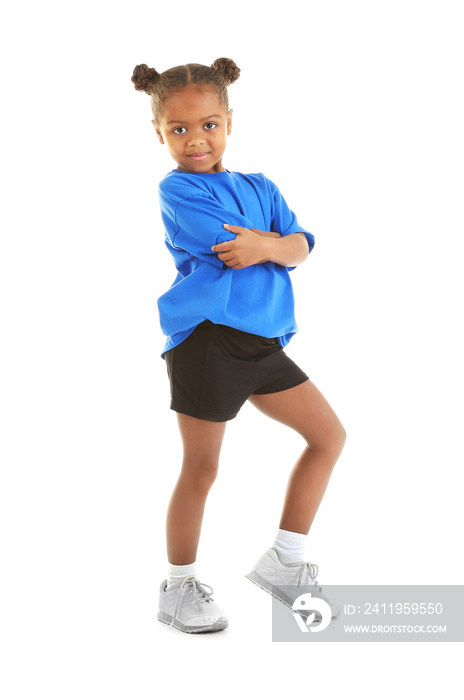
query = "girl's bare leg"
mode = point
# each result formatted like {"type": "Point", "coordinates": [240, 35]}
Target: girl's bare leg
{"type": "Point", "coordinates": [202, 442]}
{"type": "Point", "coordinates": [304, 409]}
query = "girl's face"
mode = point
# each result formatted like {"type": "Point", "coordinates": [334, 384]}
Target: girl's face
{"type": "Point", "coordinates": [194, 125]}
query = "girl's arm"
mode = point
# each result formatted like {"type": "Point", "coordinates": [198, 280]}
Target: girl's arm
{"type": "Point", "coordinates": [250, 248]}
{"type": "Point", "coordinates": [290, 250]}
{"type": "Point", "coordinates": [266, 234]}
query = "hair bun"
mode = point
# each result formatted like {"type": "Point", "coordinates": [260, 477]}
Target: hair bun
{"type": "Point", "coordinates": [144, 78]}
{"type": "Point", "coordinates": [229, 69]}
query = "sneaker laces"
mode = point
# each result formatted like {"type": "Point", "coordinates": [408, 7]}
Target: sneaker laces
{"type": "Point", "coordinates": [197, 591]}
{"type": "Point", "coordinates": [311, 570]}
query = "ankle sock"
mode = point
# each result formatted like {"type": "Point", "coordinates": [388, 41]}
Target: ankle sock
{"type": "Point", "coordinates": [177, 573]}
{"type": "Point", "coordinates": [290, 547]}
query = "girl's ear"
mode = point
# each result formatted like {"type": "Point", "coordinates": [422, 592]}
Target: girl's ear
{"type": "Point", "coordinates": [158, 131]}
{"type": "Point", "coordinates": [229, 121]}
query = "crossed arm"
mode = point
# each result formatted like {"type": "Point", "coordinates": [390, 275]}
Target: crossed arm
{"type": "Point", "coordinates": [252, 246]}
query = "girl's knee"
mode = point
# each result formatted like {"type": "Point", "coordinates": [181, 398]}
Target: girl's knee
{"type": "Point", "coordinates": [200, 473]}
{"type": "Point", "coordinates": [340, 438]}
{"type": "Point", "coordinates": [331, 440]}
{"type": "Point", "coordinates": [337, 438]}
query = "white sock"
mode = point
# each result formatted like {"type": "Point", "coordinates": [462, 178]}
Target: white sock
{"type": "Point", "coordinates": [290, 547]}
{"type": "Point", "coordinates": [178, 572]}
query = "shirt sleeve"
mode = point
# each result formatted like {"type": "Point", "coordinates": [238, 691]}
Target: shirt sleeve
{"type": "Point", "coordinates": [196, 223]}
{"type": "Point", "coordinates": [284, 220]}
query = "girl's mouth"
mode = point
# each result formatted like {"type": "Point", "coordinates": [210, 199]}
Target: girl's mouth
{"type": "Point", "coordinates": [198, 156]}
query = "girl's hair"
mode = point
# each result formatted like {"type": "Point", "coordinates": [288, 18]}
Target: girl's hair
{"type": "Point", "coordinates": [220, 74]}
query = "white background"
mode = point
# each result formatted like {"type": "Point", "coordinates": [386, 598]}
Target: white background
{"type": "Point", "coordinates": [355, 110]}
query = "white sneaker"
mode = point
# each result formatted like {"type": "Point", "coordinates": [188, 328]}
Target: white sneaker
{"type": "Point", "coordinates": [277, 579]}
{"type": "Point", "coordinates": [188, 607]}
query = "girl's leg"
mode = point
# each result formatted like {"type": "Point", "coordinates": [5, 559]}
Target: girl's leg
{"type": "Point", "coordinates": [202, 442]}
{"type": "Point", "coordinates": [304, 409]}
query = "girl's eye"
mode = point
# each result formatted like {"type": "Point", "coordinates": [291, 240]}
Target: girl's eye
{"type": "Point", "coordinates": [210, 126]}
{"type": "Point", "coordinates": [177, 130]}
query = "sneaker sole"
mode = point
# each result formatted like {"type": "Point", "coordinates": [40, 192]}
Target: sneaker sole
{"type": "Point", "coordinates": [265, 586]}
{"type": "Point", "coordinates": [281, 597]}
{"type": "Point", "coordinates": [220, 624]}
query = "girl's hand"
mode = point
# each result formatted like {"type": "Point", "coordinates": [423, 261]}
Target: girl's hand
{"type": "Point", "coordinates": [248, 248]}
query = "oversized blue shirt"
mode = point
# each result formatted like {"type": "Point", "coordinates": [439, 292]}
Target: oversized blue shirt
{"type": "Point", "coordinates": [257, 299]}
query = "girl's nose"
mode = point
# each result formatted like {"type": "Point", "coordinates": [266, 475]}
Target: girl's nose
{"type": "Point", "coordinates": [196, 138]}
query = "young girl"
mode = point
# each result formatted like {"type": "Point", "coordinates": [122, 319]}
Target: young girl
{"type": "Point", "coordinates": [227, 317]}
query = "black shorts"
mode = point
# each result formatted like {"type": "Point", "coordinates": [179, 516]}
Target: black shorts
{"type": "Point", "coordinates": [216, 368]}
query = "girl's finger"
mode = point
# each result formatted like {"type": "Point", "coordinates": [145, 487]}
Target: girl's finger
{"type": "Point", "coordinates": [232, 227]}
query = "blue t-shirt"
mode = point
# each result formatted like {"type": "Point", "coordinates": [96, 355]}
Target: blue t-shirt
{"type": "Point", "coordinates": [257, 299]}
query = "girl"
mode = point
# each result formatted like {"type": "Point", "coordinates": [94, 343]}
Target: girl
{"type": "Point", "coordinates": [227, 317]}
